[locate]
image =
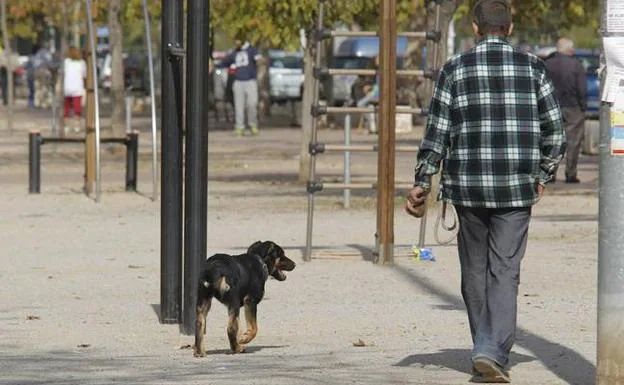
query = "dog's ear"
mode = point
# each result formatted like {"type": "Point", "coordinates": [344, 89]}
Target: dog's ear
{"type": "Point", "coordinates": [254, 246]}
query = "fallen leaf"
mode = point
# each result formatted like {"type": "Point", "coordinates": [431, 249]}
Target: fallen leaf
{"type": "Point", "coordinates": [83, 345]}
{"type": "Point", "coordinates": [32, 317]}
{"type": "Point", "coordinates": [185, 347]}
{"type": "Point", "coordinates": [359, 343]}
{"type": "Point", "coordinates": [531, 295]}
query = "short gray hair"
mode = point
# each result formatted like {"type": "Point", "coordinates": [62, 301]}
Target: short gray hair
{"type": "Point", "coordinates": [565, 45]}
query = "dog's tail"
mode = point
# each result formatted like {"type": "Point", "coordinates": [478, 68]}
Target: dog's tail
{"type": "Point", "coordinates": [220, 284]}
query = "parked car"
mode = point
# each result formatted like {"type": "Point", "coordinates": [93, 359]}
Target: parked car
{"type": "Point", "coordinates": [590, 58]}
{"type": "Point", "coordinates": [285, 76]}
{"type": "Point", "coordinates": [136, 73]}
{"type": "Point", "coordinates": [355, 53]}
{"type": "Point", "coordinates": [219, 75]}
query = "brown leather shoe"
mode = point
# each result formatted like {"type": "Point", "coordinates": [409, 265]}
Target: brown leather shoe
{"type": "Point", "coordinates": [489, 372]}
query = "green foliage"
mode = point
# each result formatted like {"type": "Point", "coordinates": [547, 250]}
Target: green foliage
{"type": "Point", "coordinates": [544, 20]}
{"type": "Point", "coordinates": [133, 23]}
{"type": "Point", "coordinates": [276, 23]}
{"type": "Point", "coordinates": [27, 17]}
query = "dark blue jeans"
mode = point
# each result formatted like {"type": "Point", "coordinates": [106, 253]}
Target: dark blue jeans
{"type": "Point", "coordinates": [31, 92]}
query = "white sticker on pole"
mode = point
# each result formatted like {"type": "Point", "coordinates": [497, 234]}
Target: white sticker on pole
{"type": "Point", "coordinates": [617, 131]}
{"type": "Point", "coordinates": [615, 16]}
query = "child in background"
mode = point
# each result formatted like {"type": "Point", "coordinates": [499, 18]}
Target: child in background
{"type": "Point", "coordinates": [74, 78]}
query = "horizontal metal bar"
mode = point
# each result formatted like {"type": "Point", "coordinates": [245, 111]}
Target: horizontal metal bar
{"type": "Point", "coordinates": [114, 140]}
{"type": "Point", "coordinates": [82, 140]}
{"type": "Point", "coordinates": [368, 72]}
{"type": "Point", "coordinates": [399, 110]}
{"type": "Point", "coordinates": [62, 140]}
{"type": "Point", "coordinates": [412, 34]}
{"type": "Point", "coordinates": [366, 148]}
{"type": "Point", "coordinates": [429, 35]}
{"type": "Point", "coordinates": [360, 186]}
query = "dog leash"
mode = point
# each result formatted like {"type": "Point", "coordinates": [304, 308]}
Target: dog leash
{"type": "Point", "coordinates": [441, 222]}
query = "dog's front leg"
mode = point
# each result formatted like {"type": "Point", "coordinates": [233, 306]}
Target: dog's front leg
{"type": "Point", "coordinates": [201, 311]}
{"type": "Point", "coordinates": [251, 307]}
{"type": "Point", "coordinates": [232, 330]}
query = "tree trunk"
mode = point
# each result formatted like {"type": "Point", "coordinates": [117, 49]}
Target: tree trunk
{"type": "Point", "coordinates": [117, 86]}
{"type": "Point", "coordinates": [264, 94]}
{"type": "Point", "coordinates": [75, 28]}
{"type": "Point", "coordinates": [306, 116]}
{"type": "Point", "coordinates": [9, 65]}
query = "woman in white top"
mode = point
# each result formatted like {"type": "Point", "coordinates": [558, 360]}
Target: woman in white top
{"type": "Point", "coordinates": [74, 77]}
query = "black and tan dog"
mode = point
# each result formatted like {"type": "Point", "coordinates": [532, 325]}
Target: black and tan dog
{"type": "Point", "coordinates": [238, 281]}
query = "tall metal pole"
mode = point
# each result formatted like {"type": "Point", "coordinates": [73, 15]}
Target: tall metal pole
{"type": "Point", "coordinates": [89, 175]}
{"type": "Point", "coordinates": [387, 134]}
{"type": "Point", "coordinates": [150, 64]}
{"type": "Point", "coordinates": [98, 182]}
{"type": "Point", "coordinates": [610, 351]}
{"type": "Point", "coordinates": [346, 194]}
{"type": "Point", "coordinates": [196, 171]}
{"type": "Point", "coordinates": [307, 254]}
{"type": "Point", "coordinates": [434, 65]}
{"type": "Point", "coordinates": [171, 165]}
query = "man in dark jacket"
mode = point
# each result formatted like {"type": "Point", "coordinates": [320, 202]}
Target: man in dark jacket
{"type": "Point", "coordinates": [568, 76]}
{"type": "Point", "coordinates": [245, 88]}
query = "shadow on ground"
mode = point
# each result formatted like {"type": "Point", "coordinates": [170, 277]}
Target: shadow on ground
{"type": "Point", "coordinates": [564, 362]}
{"type": "Point", "coordinates": [455, 359]}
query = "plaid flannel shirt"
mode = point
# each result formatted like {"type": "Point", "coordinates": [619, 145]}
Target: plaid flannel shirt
{"type": "Point", "coordinates": [495, 121]}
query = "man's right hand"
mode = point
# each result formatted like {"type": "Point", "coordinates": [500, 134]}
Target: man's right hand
{"type": "Point", "coordinates": [415, 203]}
{"type": "Point", "coordinates": [540, 191]}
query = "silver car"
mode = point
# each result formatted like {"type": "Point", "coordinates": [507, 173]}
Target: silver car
{"type": "Point", "coordinates": [285, 76]}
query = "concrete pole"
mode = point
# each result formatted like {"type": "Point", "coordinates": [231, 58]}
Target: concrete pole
{"type": "Point", "coordinates": [387, 134]}
{"type": "Point", "coordinates": [610, 350]}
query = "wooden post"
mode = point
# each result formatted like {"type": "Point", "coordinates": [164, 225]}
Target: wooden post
{"type": "Point", "coordinates": [90, 125]}
{"type": "Point", "coordinates": [387, 118]}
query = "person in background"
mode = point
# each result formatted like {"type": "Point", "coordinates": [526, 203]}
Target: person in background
{"type": "Point", "coordinates": [4, 84]}
{"type": "Point", "coordinates": [43, 77]}
{"type": "Point", "coordinates": [568, 75]}
{"type": "Point", "coordinates": [366, 91]}
{"type": "Point", "coordinates": [495, 123]}
{"type": "Point", "coordinates": [4, 77]}
{"type": "Point", "coordinates": [74, 80]}
{"type": "Point", "coordinates": [31, 65]}
{"type": "Point", "coordinates": [244, 57]}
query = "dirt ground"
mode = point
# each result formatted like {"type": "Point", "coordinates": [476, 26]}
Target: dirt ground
{"type": "Point", "coordinates": [80, 281]}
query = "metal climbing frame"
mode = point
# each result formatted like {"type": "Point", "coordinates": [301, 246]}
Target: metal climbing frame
{"type": "Point", "coordinates": [386, 145]}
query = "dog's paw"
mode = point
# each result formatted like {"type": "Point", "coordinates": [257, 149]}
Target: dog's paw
{"type": "Point", "coordinates": [239, 349]}
{"type": "Point", "coordinates": [245, 338]}
{"type": "Point", "coordinates": [199, 353]}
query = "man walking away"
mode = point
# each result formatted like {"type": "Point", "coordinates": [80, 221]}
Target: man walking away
{"type": "Point", "coordinates": [568, 76]}
{"type": "Point", "coordinates": [495, 122]}
{"type": "Point", "coordinates": [244, 57]}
